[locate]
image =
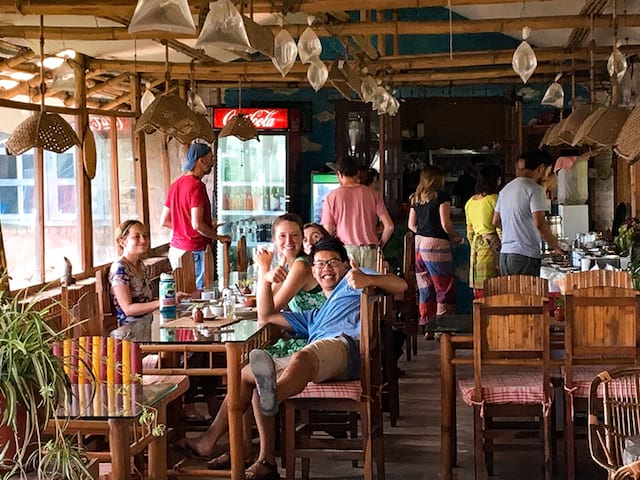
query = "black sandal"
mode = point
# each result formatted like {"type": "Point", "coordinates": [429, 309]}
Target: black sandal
{"type": "Point", "coordinates": [262, 470]}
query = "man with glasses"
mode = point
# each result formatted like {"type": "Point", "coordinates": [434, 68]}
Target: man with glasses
{"type": "Point", "coordinates": [332, 352]}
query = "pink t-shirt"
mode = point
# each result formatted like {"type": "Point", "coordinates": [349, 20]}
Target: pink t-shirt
{"type": "Point", "coordinates": [354, 210]}
{"type": "Point", "coordinates": [185, 193]}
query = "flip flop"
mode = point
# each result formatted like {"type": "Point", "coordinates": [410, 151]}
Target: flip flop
{"type": "Point", "coordinates": [264, 372]}
{"type": "Point", "coordinates": [188, 451]}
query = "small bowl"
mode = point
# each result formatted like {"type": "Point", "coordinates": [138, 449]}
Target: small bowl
{"type": "Point", "coordinates": [216, 310]}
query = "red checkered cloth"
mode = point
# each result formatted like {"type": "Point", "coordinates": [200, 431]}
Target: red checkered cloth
{"type": "Point", "coordinates": [507, 387]}
{"type": "Point", "coordinates": [349, 390]}
{"type": "Point", "coordinates": [583, 375]}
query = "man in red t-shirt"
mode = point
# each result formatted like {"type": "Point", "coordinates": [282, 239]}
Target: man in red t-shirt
{"type": "Point", "coordinates": [187, 211]}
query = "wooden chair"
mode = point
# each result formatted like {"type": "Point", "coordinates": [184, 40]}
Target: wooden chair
{"type": "Point", "coordinates": [360, 397]}
{"type": "Point", "coordinates": [601, 330]}
{"type": "Point", "coordinates": [185, 274]}
{"type": "Point", "coordinates": [516, 284]}
{"type": "Point", "coordinates": [511, 377]}
{"type": "Point", "coordinates": [209, 267]}
{"type": "Point", "coordinates": [410, 298]}
{"type": "Point", "coordinates": [109, 321]}
{"type": "Point", "coordinates": [79, 310]}
{"type": "Point", "coordinates": [614, 416]}
{"type": "Point", "coordinates": [597, 278]}
{"type": "Point", "coordinates": [391, 390]}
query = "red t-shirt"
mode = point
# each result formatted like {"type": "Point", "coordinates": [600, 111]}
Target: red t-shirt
{"type": "Point", "coordinates": [185, 193]}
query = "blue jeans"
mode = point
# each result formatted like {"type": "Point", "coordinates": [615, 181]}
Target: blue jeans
{"type": "Point", "coordinates": [198, 261]}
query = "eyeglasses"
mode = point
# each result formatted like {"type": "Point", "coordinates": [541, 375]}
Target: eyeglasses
{"type": "Point", "coordinates": [333, 263]}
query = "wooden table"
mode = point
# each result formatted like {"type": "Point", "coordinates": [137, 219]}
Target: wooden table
{"type": "Point", "coordinates": [114, 411]}
{"type": "Point", "coordinates": [235, 340]}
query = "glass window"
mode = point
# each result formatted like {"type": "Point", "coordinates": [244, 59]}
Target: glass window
{"type": "Point", "coordinates": [27, 166]}
{"type": "Point", "coordinates": [157, 192]}
{"type": "Point", "coordinates": [104, 249]}
{"type": "Point", "coordinates": [8, 166]}
{"type": "Point", "coordinates": [28, 200]}
{"type": "Point", "coordinates": [8, 200]}
{"type": "Point", "coordinates": [61, 223]}
{"type": "Point", "coordinates": [126, 169]}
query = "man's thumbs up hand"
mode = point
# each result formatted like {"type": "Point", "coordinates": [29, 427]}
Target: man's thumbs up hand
{"type": "Point", "coordinates": [357, 278]}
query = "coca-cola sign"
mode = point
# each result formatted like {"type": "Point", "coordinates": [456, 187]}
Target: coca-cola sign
{"type": "Point", "coordinates": [262, 118]}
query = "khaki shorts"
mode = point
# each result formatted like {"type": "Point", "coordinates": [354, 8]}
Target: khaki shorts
{"type": "Point", "coordinates": [332, 355]}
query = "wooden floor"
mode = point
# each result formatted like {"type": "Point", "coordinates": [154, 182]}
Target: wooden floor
{"type": "Point", "coordinates": [412, 449]}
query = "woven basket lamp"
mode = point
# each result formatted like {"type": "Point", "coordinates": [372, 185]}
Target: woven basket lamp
{"type": "Point", "coordinates": [170, 115]}
{"type": "Point", "coordinates": [44, 129]}
{"type": "Point", "coordinates": [240, 126]}
{"type": "Point", "coordinates": [571, 126]}
{"type": "Point", "coordinates": [551, 137]}
{"type": "Point", "coordinates": [602, 127]}
{"type": "Point", "coordinates": [628, 142]}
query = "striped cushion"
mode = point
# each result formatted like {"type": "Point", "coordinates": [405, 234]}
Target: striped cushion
{"type": "Point", "coordinates": [516, 387]}
{"type": "Point", "coordinates": [583, 375]}
{"type": "Point", "coordinates": [349, 390]}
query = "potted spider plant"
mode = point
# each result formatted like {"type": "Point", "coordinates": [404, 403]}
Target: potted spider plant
{"type": "Point", "coordinates": [32, 385]}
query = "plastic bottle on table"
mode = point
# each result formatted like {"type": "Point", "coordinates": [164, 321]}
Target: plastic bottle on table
{"type": "Point", "coordinates": [167, 295]}
{"type": "Point", "coordinates": [228, 304]}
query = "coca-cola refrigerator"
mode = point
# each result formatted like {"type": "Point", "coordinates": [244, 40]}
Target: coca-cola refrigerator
{"type": "Point", "coordinates": [252, 176]}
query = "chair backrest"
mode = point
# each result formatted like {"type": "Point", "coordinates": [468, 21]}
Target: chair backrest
{"type": "Point", "coordinates": [601, 326]}
{"type": "Point", "coordinates": [79, 310]}
{"type": "Point", "coordinates": [209, 273]}
{"type": "Point", "coordinates": [185, 274]}
{"type": "Point", "coordinates": [409, 255]}
{"type": "Point", "coordinates": [597, 278]}
{"type": "Point", "coordinates": [100, 360]}
{"type": "Point", "coordinates": [511, 330]}
{"type": "Point", "coordinates": [105, 302]}
{"type": "Point", "coordinates": [617, 392]}
{"type": "Point", "coordinates": [371, 310]}
{"type": "Point", "coordinates": [242, 258]}
{"type": "Point", "coordinates": [516, 284]}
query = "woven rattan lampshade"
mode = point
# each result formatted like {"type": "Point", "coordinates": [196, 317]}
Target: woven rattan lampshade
{"type": "Point", "coordinates": [602, 127]}
{"type": "Point", "coordinates": [551, 137]}
{"type": "Point", "coordinates": [240, 126]}
{"type": "Point", "coordinates": [628, 142]}
{"type": "Point", "coordinates": [170, 115]}
{"type": "Point", "coordinates": [44, 130]}
{"type": "Point", "coordinates": [571, 126]}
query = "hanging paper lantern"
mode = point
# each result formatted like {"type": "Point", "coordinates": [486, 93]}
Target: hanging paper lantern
{"type": "Point", "coordinates": [309, 46]}
{"type": "Point", "coordinates": [554, 96]}
{"type": "Point", "coordinates": [285, 51]}
{"type": "Point", "coordinates": [617, 63]}
{"type": "Point", "coordinates": [524, 58]}
{"type": "Point", "coordinates": [317, 74]}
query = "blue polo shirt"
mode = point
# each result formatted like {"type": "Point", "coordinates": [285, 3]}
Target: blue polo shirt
{"type": "Point", "coordinates": [339, 315]}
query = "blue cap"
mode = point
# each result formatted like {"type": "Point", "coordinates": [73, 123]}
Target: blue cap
{"type": "Point", "coordinates": [196, 151]}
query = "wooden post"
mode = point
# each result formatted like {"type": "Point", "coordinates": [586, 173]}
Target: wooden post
{"type": "Point", "coordinates": [381, 154]}
{"type": "Point", "coordinates": [84, 183]}
{"type": "Point", "coordinates": [447, 404]}
{"type": "Point", "coordinates": [115, 174]}
{"type": "Point", "coordinates": [142, 182]}
{"type": "Point", "coordinates": [635, 189]}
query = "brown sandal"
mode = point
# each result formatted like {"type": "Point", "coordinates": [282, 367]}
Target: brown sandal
{"type": "Point", "coordinates": [262, 470]}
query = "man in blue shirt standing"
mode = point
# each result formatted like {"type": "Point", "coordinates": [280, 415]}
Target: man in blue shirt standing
{"type": "Point", "coordinates": [331, 353]}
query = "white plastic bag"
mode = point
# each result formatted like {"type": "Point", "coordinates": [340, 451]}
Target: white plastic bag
{"type": "Point", "coordinates": [617, 63]}
{"type": "Point", "coordinates": [309, 46]}
{"type": "Point", "coordinates": [147, 99]}
{"type": "Point", "coordinates": [554, 96]}
{"type": "Point", "coordinates": [173, 16]}
{"type": "Point", "coordinates": [317, 74]}
{"type": "Point", "coordinates": [195, 103]}
{"type": "Point", "coordinates": [285, 51]}
{"type": "Point", "coordinates": [224, 28]}
{"type": "Point", "coordinates": [368, 88]}
{"type": "Point", "coordinates": [524, 60]}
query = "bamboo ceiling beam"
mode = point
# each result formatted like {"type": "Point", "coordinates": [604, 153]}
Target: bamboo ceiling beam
{"type": "Point", "coordinates": [13, 62]}
{"type": "Point", "coordinates": [440, 60]}
{"type": "Point", "coordinates": [126, 7]}
{"type": "Point", "coordinates": [436, 27]}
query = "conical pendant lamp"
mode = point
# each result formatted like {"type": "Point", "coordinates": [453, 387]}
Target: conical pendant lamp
{"type": "Point", "coordinates": [170, 115]}
{"type": "Point", "coordinates": [240, 125]}
{"type": "Point", "coordinates": [44, 129]}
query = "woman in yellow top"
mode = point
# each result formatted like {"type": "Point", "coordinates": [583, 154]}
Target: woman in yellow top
{"type": "Point", "coordinates": [483, 236]}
